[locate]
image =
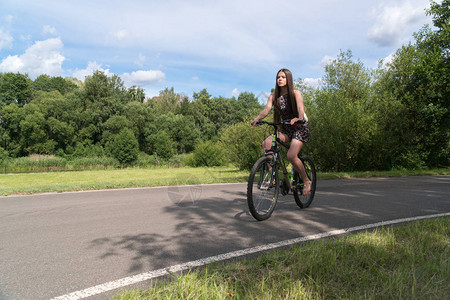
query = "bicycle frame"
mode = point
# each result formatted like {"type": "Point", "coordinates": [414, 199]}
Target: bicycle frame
{"type": "Point", "coordinates": [274, 151]}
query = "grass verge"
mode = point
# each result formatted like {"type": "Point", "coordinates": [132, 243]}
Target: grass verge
{"type": "Point", "coordinates": [411, 261]}
{"type": "Point", "coordinates": [29, 183]}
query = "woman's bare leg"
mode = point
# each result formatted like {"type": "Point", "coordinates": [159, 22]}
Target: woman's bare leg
{"type": "Point", "coordinates": [292, 156]}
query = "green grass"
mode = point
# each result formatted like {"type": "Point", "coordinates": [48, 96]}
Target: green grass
{"type": "Point", "coordinates": [405, 262]}
{"type": "Point", "coordinates": [28, 183]}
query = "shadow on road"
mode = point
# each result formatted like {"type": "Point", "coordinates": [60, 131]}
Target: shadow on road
{"type": "Point", "coordinates": [219, 221]}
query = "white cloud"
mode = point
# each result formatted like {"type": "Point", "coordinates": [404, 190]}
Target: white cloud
{"type": "Point", "coordinates": [43, 57]}
{"type": "Point", "coordinates": [5, 39]}
{"type": "Point", "coordinates": [89, 70]}
{"type": "Point", "coordinates": [313, 82]}
{"type": "Point", "coordinates": [235, 93]}
{"type": "Point", "coordinates": [143, 78]}
{"type": "Point", "coordinates": [326, 60]}
{"type": "Point", "coordinates": [47, 29]}
{"type": "Point", "coordinates": [139, 78]}
{"type": "Point", "coordinates": [392, 23]}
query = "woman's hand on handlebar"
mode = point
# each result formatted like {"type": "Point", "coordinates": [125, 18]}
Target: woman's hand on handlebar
{"type": "Point", "coordinates": [256, 120]}
{"type": "Point", "coordinates": [295, 120]}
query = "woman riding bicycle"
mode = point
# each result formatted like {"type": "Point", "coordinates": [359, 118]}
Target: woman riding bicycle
{"type": "Point", "coordinates": [288, 104]}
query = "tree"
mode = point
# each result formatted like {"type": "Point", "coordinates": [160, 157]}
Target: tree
{"type": "Point", "coordinates": [243, 143]}
{"type": "Point", "coordinates": [10, 117]}
{"type": "Point", "coordinates": [167, 101]}
{"type": "Point", "coordinates": [209, 154]}
{"type": "Point", "coordinates": [161, 144]}
{"type": "Point", "coordinates": [48, 84]}
{"type": "Point", "coordinates": [114, 126]}
{"type": "Point", "coordinates": [340, 117]}
{"type": "Point", "coordinates": [418, 81]}
{"type": "Point", "coordinates": [135, 93]}
{"type": "Point", "coordinates": [124, 147]}
{"type": "Point", "coordinates": [245, 105]}
{"type": "Point", "coordinates": [15, 88]}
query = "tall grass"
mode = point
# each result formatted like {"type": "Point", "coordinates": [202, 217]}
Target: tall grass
{"type": "Point", "coordinates": [33, 163]}
{"type": "Point", "coordinates": [405, 262]}
{"type": "Point", "coordinates": [48, 163]}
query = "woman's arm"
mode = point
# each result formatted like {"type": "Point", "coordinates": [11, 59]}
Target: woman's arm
{"type": "Point", "coordinates": [265, 111]}
{"type": "Point", "coordinates": [300, 107]}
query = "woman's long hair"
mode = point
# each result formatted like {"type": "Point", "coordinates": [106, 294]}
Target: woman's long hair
{"type": "Point", "coordinates": [276, 96]}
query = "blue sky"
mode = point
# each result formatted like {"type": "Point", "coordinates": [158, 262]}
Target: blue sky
{"type": "Point", "coordinates": [227, 47]}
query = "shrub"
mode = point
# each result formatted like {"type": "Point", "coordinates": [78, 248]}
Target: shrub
{"type": "Point", "coordinates": [88, 150]}
{"type": "Point", "coordinates": [243, 142]}
{"type": "Point", "coordinates": [178, 160]}
{"type": "Point", "coordinates": [124, 147]}
{"type": "Point", "coordinates": [208, 154]}
{"type": "Point", "coordinates": [3, 154]}
{"type": "Point", "coordinates": [145, 160]}
{"type": "Point", "coordinates": [161, 144]}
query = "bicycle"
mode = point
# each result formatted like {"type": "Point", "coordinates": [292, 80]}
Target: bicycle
{"type": "Point", "coordinates": [264, 183]}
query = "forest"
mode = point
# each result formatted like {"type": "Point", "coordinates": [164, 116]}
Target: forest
{"type": "Point", "coordinates": [394, 116]}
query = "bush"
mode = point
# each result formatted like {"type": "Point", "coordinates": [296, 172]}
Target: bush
{"type": "Point", "coordinates": [88, 150]}
{"type": "Point", "coordinates": [3, 154]}
{"type": "Point", "coordinates": [145, 160]}
{"type": "Point", "coordinates": [208, 154]}
{"type": "Point", "coordinates": [243, 143]}
{"type": "Point", "coordinates": [178, 160]}
{"type": "Point", "coordinates": [124, 147]}
{"type": "Point", "coordinates": [161, 144]}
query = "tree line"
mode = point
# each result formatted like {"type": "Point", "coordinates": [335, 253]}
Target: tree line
{"type": "Point", "coordinates": [394, 116]}
{"type": "Point", "coordinates": [55, 115]}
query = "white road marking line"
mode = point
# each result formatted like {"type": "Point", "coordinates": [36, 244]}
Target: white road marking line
{"type": "Point", "coordinates": [112, 285]}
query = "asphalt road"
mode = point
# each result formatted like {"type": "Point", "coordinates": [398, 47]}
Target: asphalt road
{"type": "Point", "coordinates": [55, 244]}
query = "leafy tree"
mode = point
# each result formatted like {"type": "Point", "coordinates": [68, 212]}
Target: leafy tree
{"type": "Point", "coordinates": [15, 88]}
{"type": "Point", "coordinates": [161, 144]}
{"type": "Point", "coordinates": [340, 117]}
{"type": "Point", "coordinates": [135, 93]}
{"type": "Point", "coordinates": [113, 126]}
{"type": "Point", "coordinates": [48, 84]}
{"type": "Point", "coordinates": [33, 133]}
{"type": "Point", "coordinates": [243, 143]}
{"type": "Point", "coordinates": [124, 147]}
{"type": "Point", "coordinates": [209, 154]}
{"type": "Point", "coordinates": [167, 101]}
{"type": "Point", "coordinates": [10, 117]}
{"type": "Point", "coordinates": [140, 117]}
{"type": "Point", "coordinates": [3, 154]}
{"type": "Point", "coordinates": [245, 105]}
{"type": "Point", "coordinates": [417, 81]}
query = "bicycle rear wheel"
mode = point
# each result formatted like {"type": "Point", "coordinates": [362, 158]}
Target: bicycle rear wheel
{"type": "Point", "coordinates": [301, 200]}
{"type": "Point", "coordinates": [262, 189]}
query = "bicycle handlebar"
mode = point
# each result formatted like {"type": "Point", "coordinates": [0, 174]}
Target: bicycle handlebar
{"type": "Point", "coordinates": [282, 122]}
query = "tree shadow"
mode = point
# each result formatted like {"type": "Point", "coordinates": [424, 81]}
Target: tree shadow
{"type": "Point", "coordinates": [219, 222]}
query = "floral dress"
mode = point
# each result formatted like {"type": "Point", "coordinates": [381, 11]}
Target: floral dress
{"type": "Point", "coordinates": [297, 131]}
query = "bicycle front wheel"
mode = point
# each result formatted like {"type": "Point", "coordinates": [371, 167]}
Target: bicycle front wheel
{"type": "Point", "coordinates": [303, 201]}
{"type": "Point", "coordinates": [262, 189]}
